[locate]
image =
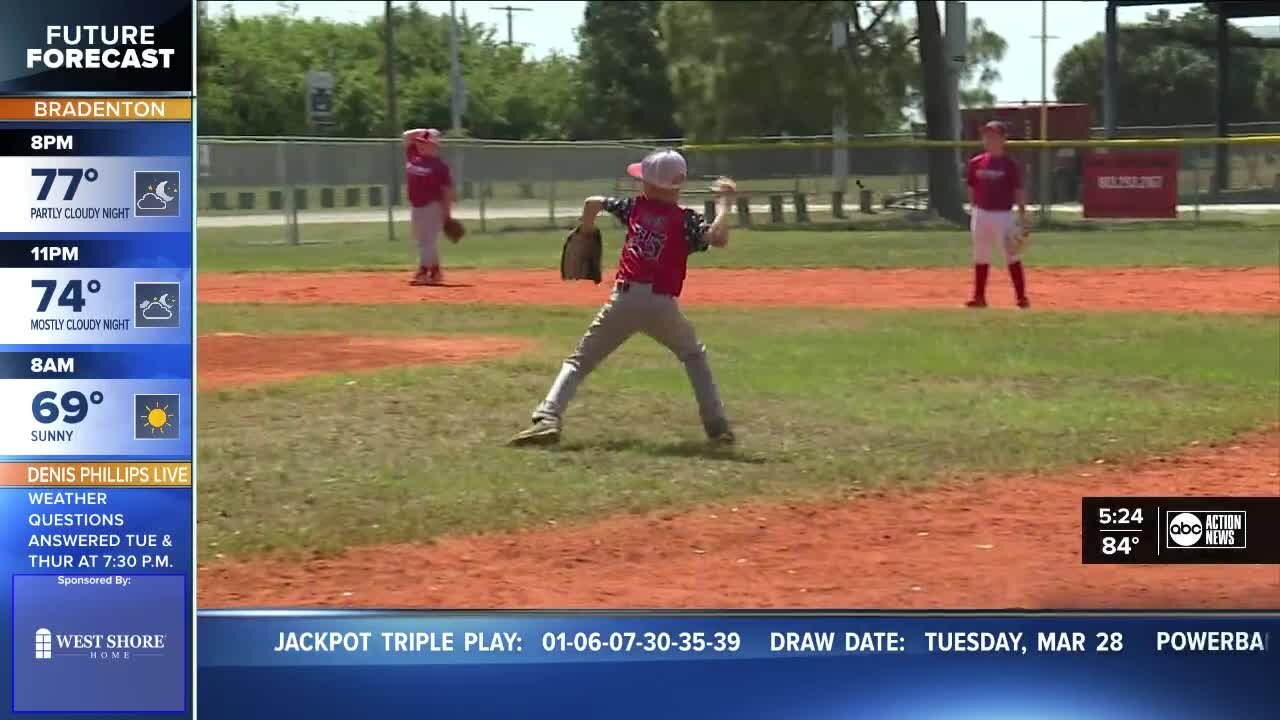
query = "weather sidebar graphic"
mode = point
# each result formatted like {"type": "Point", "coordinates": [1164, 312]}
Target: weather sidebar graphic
{"type": "Point", "coordinates": [96, 364]}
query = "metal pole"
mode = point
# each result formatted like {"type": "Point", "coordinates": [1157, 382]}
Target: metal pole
{"type": "Point", "coordinates": [286, 204]}
{"type": "Point", "coordinates": [551, 202]}
{"type": "Point", "coordinates": [839, 127]}
{"type": "Point", "coordinates": [1110, 71]}
{"type": "Point", "coordinates": [393, 124]}
{"type": "Point", "coordinates": [956, 41]}
{"type": "Point", "coordinates": [455, 71]}
{"type": "Point", "coordinates": [1222, 165]}
{"type": "Point", "coordinates": [1195, 173]}
{"type": "Point", "coordinates": [457, 95]}
{"type": "Point", "coordinates": [1045, 156]}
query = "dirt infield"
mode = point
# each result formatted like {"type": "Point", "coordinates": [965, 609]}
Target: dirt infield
{"type": "Point", "coordinates": [996, 543]}
{"type": "Point", "coordinates": [239, 360]}
{"type": "Point", "coordinates": [1244, 290]}
{"type": "Point", "coordinates": [1006, 542]}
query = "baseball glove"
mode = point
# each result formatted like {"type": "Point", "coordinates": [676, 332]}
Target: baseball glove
{"type": "Point", "coordinates": [580, 258]}
{"type": "Point", "coordinates": [724, 185]}
{"type": "Point", "coordinates": [1019, 239]}
{"type": "Point", "coordinates": [454, 230]}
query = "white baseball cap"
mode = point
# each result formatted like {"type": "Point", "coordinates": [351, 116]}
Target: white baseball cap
{"type": "Point", "coordinates": [427, 135]}
{"type": "Point", "coordinates": [661, 168]}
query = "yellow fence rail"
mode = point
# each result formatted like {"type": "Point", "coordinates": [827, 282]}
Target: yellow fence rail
{"type": "Point", "coordinates": [1127, 143]}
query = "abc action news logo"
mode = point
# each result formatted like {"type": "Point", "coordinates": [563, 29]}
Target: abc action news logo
{"type": "Point", "coordinates": [1206, 529]}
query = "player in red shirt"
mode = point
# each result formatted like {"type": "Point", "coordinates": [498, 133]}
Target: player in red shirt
{"type": "Point", "coordinates": [645, 298]}
{"type": "Point", "coordinates": [430, 187]}
{"type": "Point", "coordinates": [995, 185]}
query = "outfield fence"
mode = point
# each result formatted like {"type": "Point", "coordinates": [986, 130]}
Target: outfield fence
{"type": "Point", "coordinates": [292, 182]}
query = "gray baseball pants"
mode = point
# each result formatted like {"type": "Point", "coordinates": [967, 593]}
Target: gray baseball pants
{"type": "Point", "coordinates": [427, 222]}
{"type": "Point", "coordinates": [632, 308]}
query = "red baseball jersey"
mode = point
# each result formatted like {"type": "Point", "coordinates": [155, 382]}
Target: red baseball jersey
{"type": "Point", "coordinates": [994, 180]}
{"type": "Point", "coordinates": [660, 237]}
{"type": "Point", "coordinates": [427, 177]}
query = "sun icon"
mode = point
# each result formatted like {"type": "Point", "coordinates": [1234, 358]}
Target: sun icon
{"type": "Point", "coordinates": [156, 419]}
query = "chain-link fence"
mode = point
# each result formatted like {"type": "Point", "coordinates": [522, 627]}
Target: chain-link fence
{"type": "Point", "coordinates": [296, 182]}
{"type": "Point", "coordinates": [1189, 131]}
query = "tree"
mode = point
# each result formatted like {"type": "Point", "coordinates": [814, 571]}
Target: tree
{"type": "Point", "coordinates": [771, 69]}
{"type": "Point", "coordinates": [359, 106]}
{"type": "Point", "coordinates": [980, 71]}
{"type": "Point", "coordinates": [1167, 72]}
{"type": "Point", "coordinates": [1268, 93]}
{"type": "Point", "coordinates": [944, 176]}
{"type": "Point", "coordinates": [714, 69]}
{"type": "Point", "coordinates": [215, 105]}
{"type": "Point", "coordinates": [986, 50]}
{"type": "Point", "coordinates": [251, 74]}
{"type": "Point", "coordinates": [768, 68]}
{"type": "Point", "coordinates": [623, 72]}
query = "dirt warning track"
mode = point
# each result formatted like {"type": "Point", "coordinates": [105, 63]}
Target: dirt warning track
{"type": "Point", "coordinates": [1242, 290]}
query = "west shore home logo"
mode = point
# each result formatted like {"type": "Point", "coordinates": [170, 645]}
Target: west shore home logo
{"type": "Point", "coordinates": [101, 647]}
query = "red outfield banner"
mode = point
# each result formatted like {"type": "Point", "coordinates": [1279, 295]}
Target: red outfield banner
{"type": "Point", "coordinates": [1131, 184]}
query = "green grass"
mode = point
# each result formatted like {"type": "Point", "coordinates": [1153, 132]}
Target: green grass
{"type": "Point", "coordinates": [827, 403]}
{"type": "Point", "coordinates": [1216, 243]}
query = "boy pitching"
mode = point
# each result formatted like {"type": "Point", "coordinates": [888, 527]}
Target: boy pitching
{"type": "Point", "coordinates": [995, 185]}
{"type": "Point", "coordinates": [431, 198]}
{"type": "Point", "coordinates": [645, 298]}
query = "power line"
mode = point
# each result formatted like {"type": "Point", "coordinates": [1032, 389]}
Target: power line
{"type": "Point", "coordinates": [510, 11]}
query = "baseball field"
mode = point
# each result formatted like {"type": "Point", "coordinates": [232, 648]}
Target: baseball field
{"type": "Point", "coordinates": [895, 449]}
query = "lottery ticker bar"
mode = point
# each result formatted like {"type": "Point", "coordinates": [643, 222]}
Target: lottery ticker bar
{"type": "Point", "coordinates": [97, 356]}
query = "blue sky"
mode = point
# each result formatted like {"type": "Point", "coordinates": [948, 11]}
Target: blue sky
{"type": "Point", "coordinates": [549, 28]}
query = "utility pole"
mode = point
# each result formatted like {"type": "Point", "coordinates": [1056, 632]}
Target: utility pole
{"type": "Point", "coordinates": [393, 121]}
{"type": "Point", "coordinates": [1043, 189]}
{"type": "Point", "coordinates": [839, 121]}
{"type": "Point", "coordinates": [457, 102]}
{"type": "Point", "coordinates": [955, 40]}
{"type": "Point", "coordinates": [1110, 72]}
{"type": "Point", "coordinates": [455, 72]}
{"type": "Point", "coordinates": [510, 11]}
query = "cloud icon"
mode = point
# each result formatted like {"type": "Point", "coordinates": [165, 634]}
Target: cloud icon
{"type": "Point", "coordinates": [157, 311]}
{"type": "Point", "coordinates": [151, 201]}
{"type": "Point", "coordinates": [161, 309]}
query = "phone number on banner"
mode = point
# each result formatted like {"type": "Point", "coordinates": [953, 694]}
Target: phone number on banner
{"type": "Point", "coordinates": [655, 642]}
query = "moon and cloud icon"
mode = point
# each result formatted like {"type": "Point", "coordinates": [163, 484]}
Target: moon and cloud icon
{"type": "Point", "coordinates": [160, 308]}
{"type": "Point", "coordinates": [156, 193]}
{"type": "Point", "coordinates": [156, 305]}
